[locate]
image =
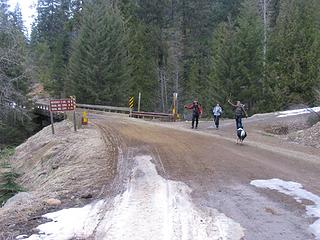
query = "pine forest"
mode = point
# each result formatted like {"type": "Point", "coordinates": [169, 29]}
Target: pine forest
{"type": "Point", "coordinates": [265, 53]}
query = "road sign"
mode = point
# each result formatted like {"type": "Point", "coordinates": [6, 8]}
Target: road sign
{"type": "Point", "coordinates": [62, 105]}
{"type": "Point", "coordinates": [131, 102]}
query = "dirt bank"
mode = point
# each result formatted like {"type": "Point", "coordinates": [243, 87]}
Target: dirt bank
{"type": "Point", "coordinates": [71, 168]}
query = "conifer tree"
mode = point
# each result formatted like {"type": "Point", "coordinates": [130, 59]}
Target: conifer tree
{"type": "Point", "coordinates": [50, 33]}
{"type": "Point", "coordinates": [248, 79]}
{"type": "Point", "coordinates": [13, 79]}
{"type": "Point", "coordinates": [294, 54]}
{"type": "Point", "coordinates": [238, 58]}
{"type": "Point", "coordinates": [223, 71]}
{"type": "Point", "coordinates": [98, 66]}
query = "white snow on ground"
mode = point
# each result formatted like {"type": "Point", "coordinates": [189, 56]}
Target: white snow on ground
{"type": "Point", "coordinates": [295, 190]}
{"type": "Point", "coordinates": [151, 208]}
{"type": "Point", "coordinates": [298, 112]}
{"type": "Point", "coordinates": [156, 208]}
{"type": "Point", "coordinates": [69, 223]}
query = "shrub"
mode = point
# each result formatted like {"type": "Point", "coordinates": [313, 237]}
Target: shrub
{"type": "Point", "coordinates": [8, 185]}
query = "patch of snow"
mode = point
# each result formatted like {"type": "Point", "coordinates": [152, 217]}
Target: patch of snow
{"type": "Point", "coordinates": [151, 208]}
{"type": "Point", "coordinates": [70, 223]}
{"type": "Point", "coordinates": [296, 191]}
{"type": "Point", "coordinates": [298, 112]}
{"type": "Point", "coordinates": [21, 237]}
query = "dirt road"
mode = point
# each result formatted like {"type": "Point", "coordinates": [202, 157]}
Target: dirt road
{"type": "Point", "coordinates": [219, 172]}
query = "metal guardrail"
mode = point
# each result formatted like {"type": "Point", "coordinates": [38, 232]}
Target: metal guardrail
{"type": "Point", "coordinates": [104, 108]}
{"type": "Point", "coordinates": [42, 106]}
{"type": "Point", "coordinates": [153, 115]}
{"type": "Point", "coordinates": [43, 109]}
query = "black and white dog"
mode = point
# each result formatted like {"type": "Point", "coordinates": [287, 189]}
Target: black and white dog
{"type": "Point", "coordinates": [241, 135]}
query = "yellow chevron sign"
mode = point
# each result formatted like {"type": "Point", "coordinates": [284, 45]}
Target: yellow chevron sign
{"type": "Point", "coordinates": [131, 102]}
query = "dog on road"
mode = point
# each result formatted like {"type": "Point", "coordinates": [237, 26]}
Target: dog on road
{"type": "Point", "coordinates": [241, 133]}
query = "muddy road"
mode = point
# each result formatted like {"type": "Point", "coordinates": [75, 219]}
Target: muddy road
{"type": "Point", "coordinates": [218, 173]}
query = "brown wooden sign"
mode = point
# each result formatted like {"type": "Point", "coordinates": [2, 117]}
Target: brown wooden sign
{"type": "Point", "coordinates": [62, 105]}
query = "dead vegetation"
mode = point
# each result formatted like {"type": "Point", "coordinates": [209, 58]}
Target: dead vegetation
{"type": "Point", "coordinates": [304, 129]}
{"type": "Point", "coordinates": [277, 129]}
{"type": "Point", "coordinates": [69, 167]}
{"type": "Point", "coordinates": [308, 137]}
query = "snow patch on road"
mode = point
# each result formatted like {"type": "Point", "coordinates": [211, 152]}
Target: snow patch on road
{"type": "Point", "coordinates": [151, 208]}
{"type": "Point", "coordinates": [156, 208]}
{"type": "Point", "coordinates": [295, 190]}
{"type": "Point", "coordinates": [298, 112]}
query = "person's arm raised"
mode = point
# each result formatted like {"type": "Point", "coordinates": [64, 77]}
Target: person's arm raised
{"type": "Point", "coordinates": [231, 103]}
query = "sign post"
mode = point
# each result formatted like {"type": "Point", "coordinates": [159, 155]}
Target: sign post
{"type": "Point", "coordinates": [174, 110]}
{"type": "Point", "coordinates": [62, 105]}
{"type": "Point", "coordinates": [51, 118]}
{"type": "Point", "coordinates": [74, 113]}
{"type": "Point", "coordinates": [139, 101]}
{"type": "Point", "coordinates": [131, 104]}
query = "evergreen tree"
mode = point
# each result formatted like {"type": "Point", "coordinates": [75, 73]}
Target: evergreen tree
{"type": "Point", "coordinates": [17, 18]}
{"type": "Point", "coordinates": [147, 51]}
{"type": "Point", "coordinates": [237, 69]}
{"type": "Point", "coordinates": [248, 80]}
{"type": "Point", "coordinates": [50, 30]}
{"type": "Point", "coordinates": [14, 80]}
{"type": "Point", "coordinates": [223, 70]}
{"type": "Point", "coordinates": [294, 54]}
{"type": "Point", "coordinates": [98, 66]}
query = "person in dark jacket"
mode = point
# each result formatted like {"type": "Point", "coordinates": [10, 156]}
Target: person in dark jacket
{"type": "Point", "coordinates": [239, 112]}
{"type": "Point", "coordinates": [196, 112]}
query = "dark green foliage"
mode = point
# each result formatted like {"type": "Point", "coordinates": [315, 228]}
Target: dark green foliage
{"type": "Point", "coordinates": [8, 185]}
{"type": "Point", "coordinates": [14, 78]}
{"type": "Point", "coordinates": [248, 63]}
{"type": "Point", "coordinates": [50, 41]}
{"type": "Point", "coordinates": [223, 70]}
{"type": "Point", "coordinates": [209, 50]}
{"type": "Point", "coordinates": [294, 53]}
{"type": "Point", "coordinates": [98, 67]}
{"type": "Point", "coordinates": [237, 68]}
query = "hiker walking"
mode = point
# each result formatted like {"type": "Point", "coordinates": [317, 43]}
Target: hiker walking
{"type": "Point", "coordinates": [196, 112]}
{"type": "Point", "coordinates": [216, 111]}
{"type": "Point", "coordinates": [239, 112]}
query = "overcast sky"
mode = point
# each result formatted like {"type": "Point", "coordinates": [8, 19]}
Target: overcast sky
{"type": "Point", "coordinates": [28, 10]}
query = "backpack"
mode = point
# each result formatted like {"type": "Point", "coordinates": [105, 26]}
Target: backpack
{"type": "Point", "coordinates": [196, 110]}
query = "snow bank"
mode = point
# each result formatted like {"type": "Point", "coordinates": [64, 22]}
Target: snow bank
{"type": "Point", "coordinates": [296, 191]}
{"type": "Point", "coordinates": [151, 208]}
{"type": "Point", "coordinates": [297, 112]}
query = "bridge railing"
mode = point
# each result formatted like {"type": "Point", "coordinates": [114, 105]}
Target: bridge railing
{"type": "Point", "coordinates": [42, 106]}
{"type": "Point", "coordinates": [153, 115]}
{"type": "Point", "coordinates": [105, 108]}
{"type": "Point", "coordinates": [43, 109]}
